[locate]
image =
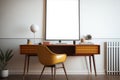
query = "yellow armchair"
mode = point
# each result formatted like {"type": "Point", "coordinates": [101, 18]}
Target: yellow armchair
{"type": "Point", "coordinates": [50, 59]}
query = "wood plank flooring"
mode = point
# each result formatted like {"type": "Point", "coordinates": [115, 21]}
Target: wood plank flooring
{"type": "Point", "coordinates": [62, 77]}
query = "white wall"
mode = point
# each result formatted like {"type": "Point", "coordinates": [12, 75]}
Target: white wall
{"type": "Point", "coordinates": [16, 17]}
{"type": "Point", "coordinates": [100, 18]}
{"type": "Point", "coordinates": [74, 65]}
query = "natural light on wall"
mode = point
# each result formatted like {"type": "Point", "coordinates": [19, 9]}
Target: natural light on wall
{"type": "Point", "coordinates": [62, 19]}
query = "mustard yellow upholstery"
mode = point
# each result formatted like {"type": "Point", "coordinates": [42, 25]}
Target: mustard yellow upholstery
{"type": "Point", "coordinates": [47, 57]}
{"type": "Point", "coordinates": [50, 59]}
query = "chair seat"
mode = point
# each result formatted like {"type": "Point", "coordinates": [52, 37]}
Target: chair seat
{"type": "Point", "coordinates": [58, 58]}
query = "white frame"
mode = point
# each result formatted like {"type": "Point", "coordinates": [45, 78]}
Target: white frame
{"type": "Point", "coordinates": [62, 20]}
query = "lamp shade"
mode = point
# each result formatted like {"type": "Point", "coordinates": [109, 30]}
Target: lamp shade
{"type": "Point", "coordinates": [34, 28]}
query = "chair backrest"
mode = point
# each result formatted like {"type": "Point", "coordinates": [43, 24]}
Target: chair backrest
{"type": "Point", "coordinates": [45, 55]}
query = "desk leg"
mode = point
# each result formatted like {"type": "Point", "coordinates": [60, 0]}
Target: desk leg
{"type": "Point", "coordinates": [94, 64]}
{"type": "Point", "coordinates": [86, 63]}
{"type": "Point", "coordinates": [90, 64]}
{"type": "Point", "coordinates": [26, 65]}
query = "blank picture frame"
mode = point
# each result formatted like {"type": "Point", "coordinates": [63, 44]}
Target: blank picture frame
{"type": "Point", "coordinates": [62, 20]}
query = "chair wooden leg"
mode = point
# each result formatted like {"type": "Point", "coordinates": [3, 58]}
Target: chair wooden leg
{"type": "Point", "coordinates": [65, 71]}
{"type": "Point", "coordinates": [54, 72]}
{"type": "Point", "coordinates": [42, 73]}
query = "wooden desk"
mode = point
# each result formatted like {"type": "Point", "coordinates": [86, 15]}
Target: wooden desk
{"type": "Point", "coordinates": [70, 50]}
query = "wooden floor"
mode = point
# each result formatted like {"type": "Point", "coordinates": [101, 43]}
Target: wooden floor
{"type": "Point", "coordinates": [62, 77]}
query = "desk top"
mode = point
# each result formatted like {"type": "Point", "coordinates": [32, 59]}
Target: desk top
{"type": "Point", "coordinates": [60, 44]}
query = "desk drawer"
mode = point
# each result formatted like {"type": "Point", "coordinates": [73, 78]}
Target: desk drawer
{"type": "Point", "coordinates": [87, 49]}
{"type": "Point", "coordinates": [28, 49]}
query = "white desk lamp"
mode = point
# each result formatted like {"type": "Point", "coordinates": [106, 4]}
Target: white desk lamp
{"type": "Point", "coordinates": [34, 28]}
